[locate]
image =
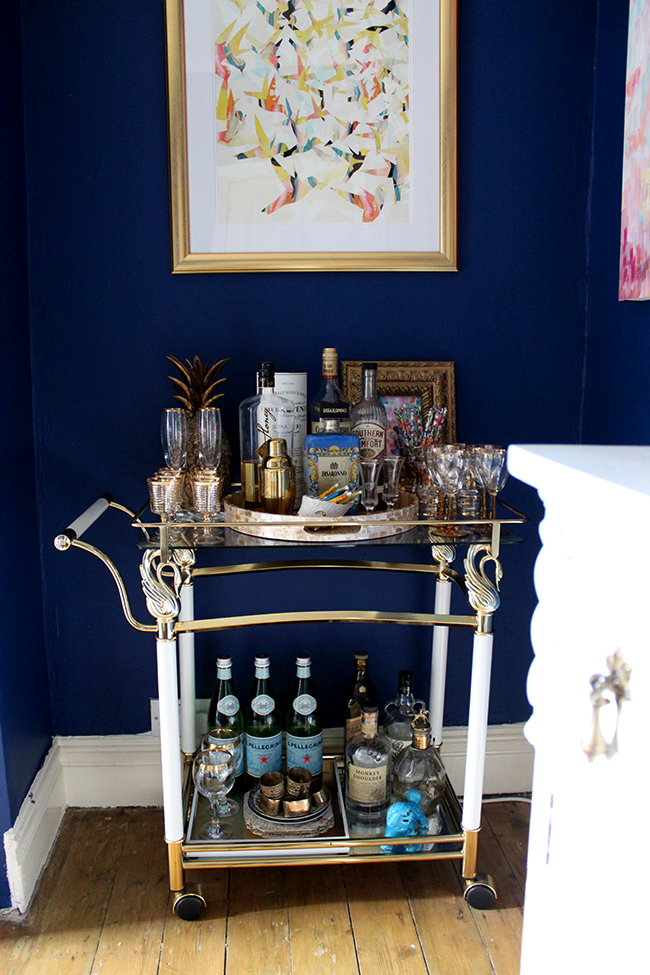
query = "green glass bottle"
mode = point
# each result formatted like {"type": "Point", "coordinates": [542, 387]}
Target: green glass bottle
{"type": "Point", "coordinates": [263, 727]}
{"type": "Point", "coordinates": [304, 724]}
{"type": "Point", "coordinates": [224, 712]}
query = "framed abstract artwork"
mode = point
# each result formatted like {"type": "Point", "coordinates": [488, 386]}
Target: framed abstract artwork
{"type": "Point", "coordinates": [634, 267]}
{"type": "Point", "coordinates": [423, 384]}
{"type": "Point", "coordinates": [311, 135]}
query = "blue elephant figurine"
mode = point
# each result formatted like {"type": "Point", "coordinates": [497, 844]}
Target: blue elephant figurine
{"type": "Point", "coordinates": [406, 819]}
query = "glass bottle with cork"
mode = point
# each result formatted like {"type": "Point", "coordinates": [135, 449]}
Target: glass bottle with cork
{"type": "Point", "coordinates": [329, 402]}
{"type": "Point", "coordinates": [367, 776]}
{"type": "Point", "coordinates": [419, 767]}
{"type": "Point", "coordinates": [400, 713]}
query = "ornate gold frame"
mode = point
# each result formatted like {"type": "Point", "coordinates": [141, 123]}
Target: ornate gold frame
{"type": "Point", "coordinates": [184, 261]}
{"type": "Point", "coordinates": [434, 381]}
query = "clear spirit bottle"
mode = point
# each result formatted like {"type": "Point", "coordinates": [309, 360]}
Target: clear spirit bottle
{"type": "Point", "coordinates": [224, 712]}
{"type": "Point", "coordinates": [368, 776]}
{"type": "Point", "coordinates": [360, 690]}
{"type": "Point", "coordinates": [368, 417]}
{"type": "Point", "coordinates": [263, 727]}
{"type": "Point", "coordinates": [304, 738]}
{"type": "Point", "coordinates": [263, 417]}
{"type": "Point", "coordinates": [400, 713]}
{"type": "Point", "coordinates": [419, 767]}
{"type": "Point", "coordinates": [330, 401]}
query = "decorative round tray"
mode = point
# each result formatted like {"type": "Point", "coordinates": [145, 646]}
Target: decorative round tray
{"type": "Point", "coordinates": [353, 528]}
{"type": "Point", "coordinates": [254, 805]}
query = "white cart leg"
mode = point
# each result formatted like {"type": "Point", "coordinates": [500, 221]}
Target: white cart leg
{"type": "Point", "coordinates": [170, 753]}
{"type": "Point", "coordinates": [186, 663]}
{"type": "Point", "coordinates": [477, 730]}
{"type": "Point", "coordinates": [439, 662]}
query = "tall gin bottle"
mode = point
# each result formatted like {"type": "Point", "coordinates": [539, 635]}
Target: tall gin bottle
{"type": "Point", "coordinates": [263, 417]}
{"type": "Point", "coordinates": [263, 727]}
{"type": "Point", "coordinates": [329, 402]}
{"type": "Point", "coordinates": [359, 691]}
{"type": "Point", "coordinates": [368, 416]}
{"type": "Point", "coordinates": [367, 775]}
{"type": "Point", "coordinates": [304, 725]}
{"type": "Point", "coordinates": [224, 712]}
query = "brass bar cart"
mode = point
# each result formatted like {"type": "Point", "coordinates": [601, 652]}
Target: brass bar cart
{"type": "Point", "coordinates": [168, 573]}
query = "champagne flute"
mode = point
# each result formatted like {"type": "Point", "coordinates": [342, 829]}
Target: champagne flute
{"type": "Point", "coordinates": [214, 777]}
{"type": "Point", "coordinates": [392, 467]}
{"type": "Point", "coordinates": [209, 438]}
{"type": "Point", "coordinates": [370, 469]}
{"type": "Point", "coordinates": [173, 431]}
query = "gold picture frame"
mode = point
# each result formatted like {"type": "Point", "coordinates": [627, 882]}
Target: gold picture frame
{"type": "Point", "coordinates": [361, 231]}
{"type": "Point", "coordinates": [433, 383]}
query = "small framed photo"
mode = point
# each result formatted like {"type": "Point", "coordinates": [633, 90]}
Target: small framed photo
{"type": "Point", "coordinates": [424, 384]}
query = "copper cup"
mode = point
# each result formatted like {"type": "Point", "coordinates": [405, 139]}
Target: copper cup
{"type": "Point", "coordinates": [272, 785]}
{"type": "Point", "coordinates": [298, 782]}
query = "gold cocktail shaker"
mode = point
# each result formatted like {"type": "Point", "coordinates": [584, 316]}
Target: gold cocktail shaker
{"type": "Point", "coordinates": [277, 479]}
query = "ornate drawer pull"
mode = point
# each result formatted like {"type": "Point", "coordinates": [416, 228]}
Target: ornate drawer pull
{"type": "Point", "coordinates": [616, 683]}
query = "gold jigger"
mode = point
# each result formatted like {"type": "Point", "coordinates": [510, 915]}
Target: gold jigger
{"type": "Point", "coordinates": [298, 782]}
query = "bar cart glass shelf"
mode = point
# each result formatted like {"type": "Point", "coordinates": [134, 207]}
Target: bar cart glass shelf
{"type": "Point", "coordinates": [169, 571]}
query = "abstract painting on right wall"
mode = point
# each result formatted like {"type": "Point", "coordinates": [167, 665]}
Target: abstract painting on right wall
{"type": "Point", "coordinates": [634, 271]}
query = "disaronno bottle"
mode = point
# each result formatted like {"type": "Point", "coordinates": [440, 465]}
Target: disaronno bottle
{"type": "Point", "coordinates": [359, 691]}
{"type": "Point", "coordinates": [330, 458]}
{"type": "Point", "coordinates": [329, 402]}
{"type": "Point", "coordinates": [368, 416]}
{"type": "Point", "coordinates": [263, 729]}
{"type": "Point", "coordinates": [367, 775]}
{"type": "Point", "coordinates": [304, 725]}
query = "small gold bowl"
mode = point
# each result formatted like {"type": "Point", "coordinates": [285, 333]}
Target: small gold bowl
{"type": "Point", "coordinates": [296, 807]}
{"type": "Point", "coordinates": [298, 782]}
{"type": "Point", "coordinates": [272, 785]}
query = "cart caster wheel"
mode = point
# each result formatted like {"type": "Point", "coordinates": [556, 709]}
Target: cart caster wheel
{"type": "Point", "coordinates": [480, 893]}
{"type": "Point", "coordinates": [189, 906]}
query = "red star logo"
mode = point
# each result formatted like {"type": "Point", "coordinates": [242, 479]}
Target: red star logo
{"type": "Point", "coordinates": [306, 759]}
{"type": "Point", "coordinates": [263, 759]}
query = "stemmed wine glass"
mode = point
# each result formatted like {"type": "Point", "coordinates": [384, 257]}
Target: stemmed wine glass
{"type": "Point", "coordinates": [208, 438]}
{"type": "Point", "coordinates": [225, 740]}
{"type": "Point", "coordinates": [214, 777]}
{"type": "Point", "coordinates": [173, 431]}
{"type": "Point", "coordinates": [492, 471]}
{"type": "Point", "coordinates": [448, 464]}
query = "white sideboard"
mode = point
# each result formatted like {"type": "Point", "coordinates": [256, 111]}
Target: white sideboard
{"type": "Point", "coordinates": [585, 908]}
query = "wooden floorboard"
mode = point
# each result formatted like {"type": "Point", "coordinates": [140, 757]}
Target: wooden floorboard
{"type": "Point", "coordinates": [103, 908]}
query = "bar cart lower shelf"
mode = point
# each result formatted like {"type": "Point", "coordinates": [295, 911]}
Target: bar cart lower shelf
{"type": "Point", "coordinates": [168, 572]}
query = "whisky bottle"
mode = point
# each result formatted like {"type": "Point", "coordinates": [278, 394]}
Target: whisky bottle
{"type": "Point", "coordinates": [419, 767]}
{"type": "Point", "coordinates": [263, 729]}
{"type": "Point", "coordinates": [330, 401]}
{"type": "Point", "coordinates": [265, 416]}
{"type": "Point", "coordinates": [368, 416]}
{"type": "Point", "coordinates": [330, 458]}
{"type": "Point", "coordinates": [224, 712]}
{"type": "Point", "coordinates": [360, 690]}
{"type": "Point", "coordinates": [367, 775]}
{"type": "Point", "coordinates": [400, 713]}
{"type": "Point", "coordinates": [304, 726]}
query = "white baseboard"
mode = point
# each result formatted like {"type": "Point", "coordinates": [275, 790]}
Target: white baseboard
{"type": "Point", "coordinates": [124, 770]}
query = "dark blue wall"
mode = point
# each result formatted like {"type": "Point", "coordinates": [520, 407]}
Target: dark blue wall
{"type": "Point", "coordinates": [25, 726]}
{"type": "Point", "coordinates": [105, 311]}
{"type": "Point", "coordinates": [617, 388]}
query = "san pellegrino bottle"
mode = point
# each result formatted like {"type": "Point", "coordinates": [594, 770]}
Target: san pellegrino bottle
{"type": "Point", "coordinates": [265, 416]}
{"type": "Point", "coordinates": [400, 713]}
{"type": "Point", "coordinates": [368, 417]}
{"type": "Point", "coordinates": [360, 690]}
{"type": "Point", "coordinates": [329, 403]}
{"type": "Point", "coordinates": [224, 712]}
{"type": "Point", "coordinates": [367, 775]}
{"type": "Point", "coordinates": [304, 738]}
{"type": "Point", "coordinates": [263, 726]}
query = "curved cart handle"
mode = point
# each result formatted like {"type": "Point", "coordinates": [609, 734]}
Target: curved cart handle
{"type": "Point", "coordinates": [83, 522]}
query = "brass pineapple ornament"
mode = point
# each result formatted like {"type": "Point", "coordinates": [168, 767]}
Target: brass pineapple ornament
{"type": "Point", "coordinates": [198, 387]}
